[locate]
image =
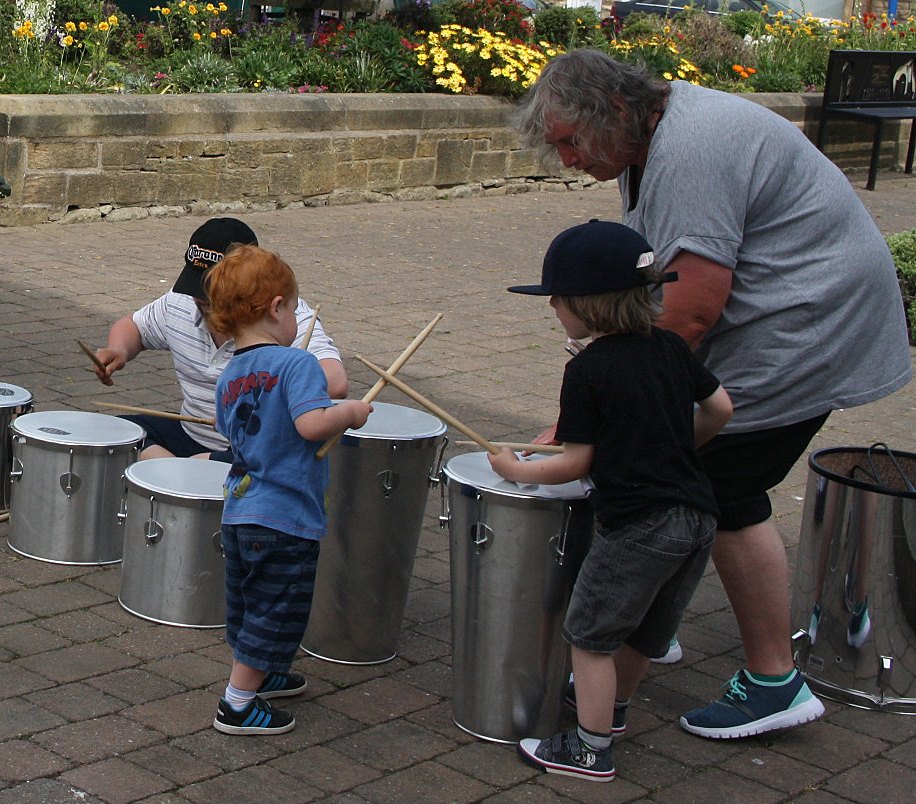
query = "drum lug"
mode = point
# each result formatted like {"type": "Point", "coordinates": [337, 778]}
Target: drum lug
{"type": "Point", "coordinates": [435, 474]}
{"type": "Point", "coordinates": [801, 647]}
{"type": "Point", "coordinates": [16, 471]}
{"type": "Point", "coordinates": [122, 511]}
{"type": "Point", "coordinates": [445, 515]}
{"type": "Point", "coordinates": [153, 530]}
{"type": "Point", "coordinates": [217, 539]}
{"type": "Point", "coordinates": [884, 674]}
{"type": "Point", "coordinates": [388, 482]}
{"type": "Point", "coordinates": [480, 532]}
{"type": "Point", "coordinates": [560, 538]}
{"type": "Point", "coordinates": [69, 482]}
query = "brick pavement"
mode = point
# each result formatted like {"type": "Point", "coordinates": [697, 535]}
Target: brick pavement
{"type": "Point", "coordinates": [97, 705]}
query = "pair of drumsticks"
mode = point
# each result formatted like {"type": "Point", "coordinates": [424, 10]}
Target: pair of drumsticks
{"type": "Point", "coordinates": [385, 378]}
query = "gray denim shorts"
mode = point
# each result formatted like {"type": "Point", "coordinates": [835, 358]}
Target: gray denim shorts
{"type": "Point", "coordinates": [636, 581]}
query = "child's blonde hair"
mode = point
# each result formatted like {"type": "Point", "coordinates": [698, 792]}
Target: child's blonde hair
{"type": "Point", "coordinates": [241, 287]}
{"type": "Point", "coordinates": [634, 310]}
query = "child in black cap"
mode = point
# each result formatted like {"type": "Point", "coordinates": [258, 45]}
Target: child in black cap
{"type": "Point", "coordinates": [634, 405]}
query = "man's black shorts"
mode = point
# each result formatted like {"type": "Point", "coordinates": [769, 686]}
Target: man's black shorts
{"type": "Point", "coordinates": [743, 467]}
{"type": "Point", "coordinates": [170, 435]}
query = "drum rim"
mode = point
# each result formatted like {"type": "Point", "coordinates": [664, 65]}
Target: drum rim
{"type": "Point", "coordinates": [520, 494]}
{"type": "Point", "coordinates": [135, 483]}
{"type": "Point", "coordinates": [44, 438]}
{"type": "Point", "coordinates": [15, 400]}
{"type": "Point", "coordinates": [369, 436]}
{"type": "Point", "coordinates": [843, 480]}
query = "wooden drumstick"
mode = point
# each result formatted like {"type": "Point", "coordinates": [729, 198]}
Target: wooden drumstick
{"type": "Point", "coordinates": [150, 412]}
{"type": "Point", "coordinates": [517, 446]}
{"type": "Point", "coordinates": [311, 327]}
{"type": "Point", "coordinates": [432, 407]}
{"type": "Point", "coordinates": [91, 355]}
{"type": "Point", "coordinates": [394, 368]}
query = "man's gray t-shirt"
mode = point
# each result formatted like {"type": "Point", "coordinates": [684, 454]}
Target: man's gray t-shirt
{"type": "Point", "coordinates": [814, 321]}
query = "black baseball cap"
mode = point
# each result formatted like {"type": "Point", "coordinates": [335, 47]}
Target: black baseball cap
{"type": "Point", "coordinates": [207, 246]}
{"type": "Point", "coordinates": [593, 258]}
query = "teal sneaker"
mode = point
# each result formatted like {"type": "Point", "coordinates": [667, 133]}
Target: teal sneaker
{"type": "Point", "coordinates": [675, 653]}
{"type": "Point", "coordinates": [750, 707]}
{"type": "Point", "coordinates": [859, 626]}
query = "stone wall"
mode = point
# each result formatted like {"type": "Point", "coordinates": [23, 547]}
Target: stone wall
{"type": "Point", "coordinates": [83, 157]}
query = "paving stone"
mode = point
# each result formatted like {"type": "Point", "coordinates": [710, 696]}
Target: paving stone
{"type": "Point", "coordinates": [252, 784]}
{"type": "Point", "coordinates": [24, 639]}
{"type": "Point", "coordinates": [101, 738]}
{"type": "Point", "coordinates": [19, 718]}
{"type": "Point", "coordinates": [134, 685]}
{"type": "Point", "coordinates": [424, 782]}
{"type": "Point", "coordinates": [155, 643]}
{"type": "Point", "coordinates": [21, 761]}
{"type": "Point", "coordinates": [716, 785]}
{"type": "Point", "coordinates": [116, 781]}
{"type": "Point", "coordinates": [76, 701]}
{"type": "Point", "coordinates": [77, 662]}
{"type": "Point", "coordinates": [378, 700]}
{"type": "Point", "coordinates": [67, 597]}
{"type": "Point", "coordinates": [496, 765]}
{"type": "Point", "coordinates": [173, 763]}
{"type": "Point", "coordinates": [47, 791]}
{"type": "Point", "coordinates": [18, 681]}
{"type": "Point", "coordinates": [189, 669]}
{"type": "Point", "coordinates": [324, 768]}
{"type": "Point", "coordinates": [875, 780]}
{"type": "Point", "coordinates": [80, 626]}
{"type": "Point", "coordinates": [392, 746]}
{"type": "Point", "coordinates": [176, 715]}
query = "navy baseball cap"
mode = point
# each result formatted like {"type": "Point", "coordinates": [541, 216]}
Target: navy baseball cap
{"type": "Point", "coordinates": [207, 246]}
{"type": "Point", "coordinates": [593, 258]}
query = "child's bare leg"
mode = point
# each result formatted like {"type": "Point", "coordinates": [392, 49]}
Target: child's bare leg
{"type": "Point", "coordinates": [596, 687]}
{"type": "Point", "coordinates": [631, 667]}
{"type": "Point", "coordinates": [244, 677]}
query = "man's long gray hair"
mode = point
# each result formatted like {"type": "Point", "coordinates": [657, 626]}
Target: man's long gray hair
{"type": "Point", "coordinates": [586, 89]}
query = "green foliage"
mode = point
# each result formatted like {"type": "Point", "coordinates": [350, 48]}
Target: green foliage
{"type": "Point", "coordinates": [568, 27]}
{"type": "Point", "coordinates": [203, 71]}
{"type": "Point", "coordinates": [742, 23]}
{"type": "Point", "coordinates": [714, 48]}
{"type": "Point", "coordinates": [903, 250]}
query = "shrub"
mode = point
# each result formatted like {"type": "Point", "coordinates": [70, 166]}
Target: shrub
{"type": "Point", "coordinates": [568, 27]}
{"type": "Point", "coordinates": [903, 250]}
{"type": "Point", "coordinates": [498, 16]}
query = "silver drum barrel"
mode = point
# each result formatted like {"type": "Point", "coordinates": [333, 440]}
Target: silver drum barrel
{"type": "Point", "coordinates": [66, 485]}
{"type": "Point", "coordinates": [379, 484]}
{"type": "Point", "coordinates": [515, 552]}
{"type": "Point", "coordinates": [854, 598]}
{"type": "Point", "coordinates": [173, 570]}
{"type": "Point", "coordinates": [14, 401]}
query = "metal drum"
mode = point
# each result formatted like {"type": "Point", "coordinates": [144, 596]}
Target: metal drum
{"type": "Point", "coordinates": [66, 485]}
{"type": "Point", "coordinates": [515, 553]}
{"type": "Point", "coordinates": [855, 586]}
{"type": "Point", "coordinates": [14, 401]}
{"type": "Point", "coordinates": [173, 570]}
{"type": "Point", "coordinates": [379, 484]}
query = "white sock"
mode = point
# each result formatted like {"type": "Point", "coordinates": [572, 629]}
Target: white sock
{"type": "Point", "coordinates": [238, 699]}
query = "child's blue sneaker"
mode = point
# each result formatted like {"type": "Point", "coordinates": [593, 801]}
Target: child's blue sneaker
{"type": "Point", "coordinates": [750, 707]}
{"type": "Point", "coordinates": [256, 718]}
{"type": "Point", "coordinates": [282, 685]}
{"type": "Point", "coordinates": [567, 755]}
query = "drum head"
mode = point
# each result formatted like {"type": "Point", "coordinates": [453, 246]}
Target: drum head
{"type": "Point", "coordinates": [78, 429]}
{"type": "Point", "coordinates": [12, 396]}
{"type": "Point", "coordinates": [473, 469]}
{"type": "Point", "coordinates": [398, 422]}
{"type": "Point", "coordinates": [188, 478]}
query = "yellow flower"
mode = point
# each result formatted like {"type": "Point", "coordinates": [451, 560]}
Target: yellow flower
{"type": "Point", "coordinates": [211, 7]}
{"type": "Point", "coordinates": [83, 26]}
{"type": "Point", "coordinates": [223, 7]}
{"type": "Point", "coordinates": [166, 11]}
{"type": "Point", "coordinates": [67, 40]}
{"type": "Point", "coordinates": [667, 76]}
{"type": "Point", "coordinates": [69, 26]}
{"type": "Point", "coordinates": [225, 32]}
{"type": "Point", "coordinates": [103, 26]}
{"type": "Point", "coordinates": [213, 34]}
{"type": "Point", "coordinates": [113, 20]}
{"type": "Point", "coordinates": [195, 36]}
{"type": "Point", "coordinates": [192, 10]}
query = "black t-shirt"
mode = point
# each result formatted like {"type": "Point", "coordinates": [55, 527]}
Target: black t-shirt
{"type": "Point", "coordinates": [632, 396]}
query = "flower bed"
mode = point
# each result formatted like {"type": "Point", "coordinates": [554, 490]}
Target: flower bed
{"type": "Point", "coordinates": [456, 46]}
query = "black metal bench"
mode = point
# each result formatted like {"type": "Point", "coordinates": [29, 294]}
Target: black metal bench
{"type": "Point", "coordinates": [871, 86]}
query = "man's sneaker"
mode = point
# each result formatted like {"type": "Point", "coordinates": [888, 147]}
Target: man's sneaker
{"type": "Point", "coordinates": [282, 685]}
{"type": "Point", "coordinates": [675, 653]}
{"type": "Point", "coordinates": [256, 718]}
{"type": "Point", "coordinates": [565, 754]}
{"type": "Point", "coordinates": [859, 626]}
{"type": "Point", "coordinates": [620, 709]}
{"type": "Point", "coordinates": [750, 707]}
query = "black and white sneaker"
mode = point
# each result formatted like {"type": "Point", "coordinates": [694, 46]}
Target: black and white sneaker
{"type": "Point", "coordinates": [565, 754]}
{"type": "Point", "coordinates": [259, 717]}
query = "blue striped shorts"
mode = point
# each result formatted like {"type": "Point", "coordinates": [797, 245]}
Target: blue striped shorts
{"type": "Point", "coordinates": [270, 580]}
